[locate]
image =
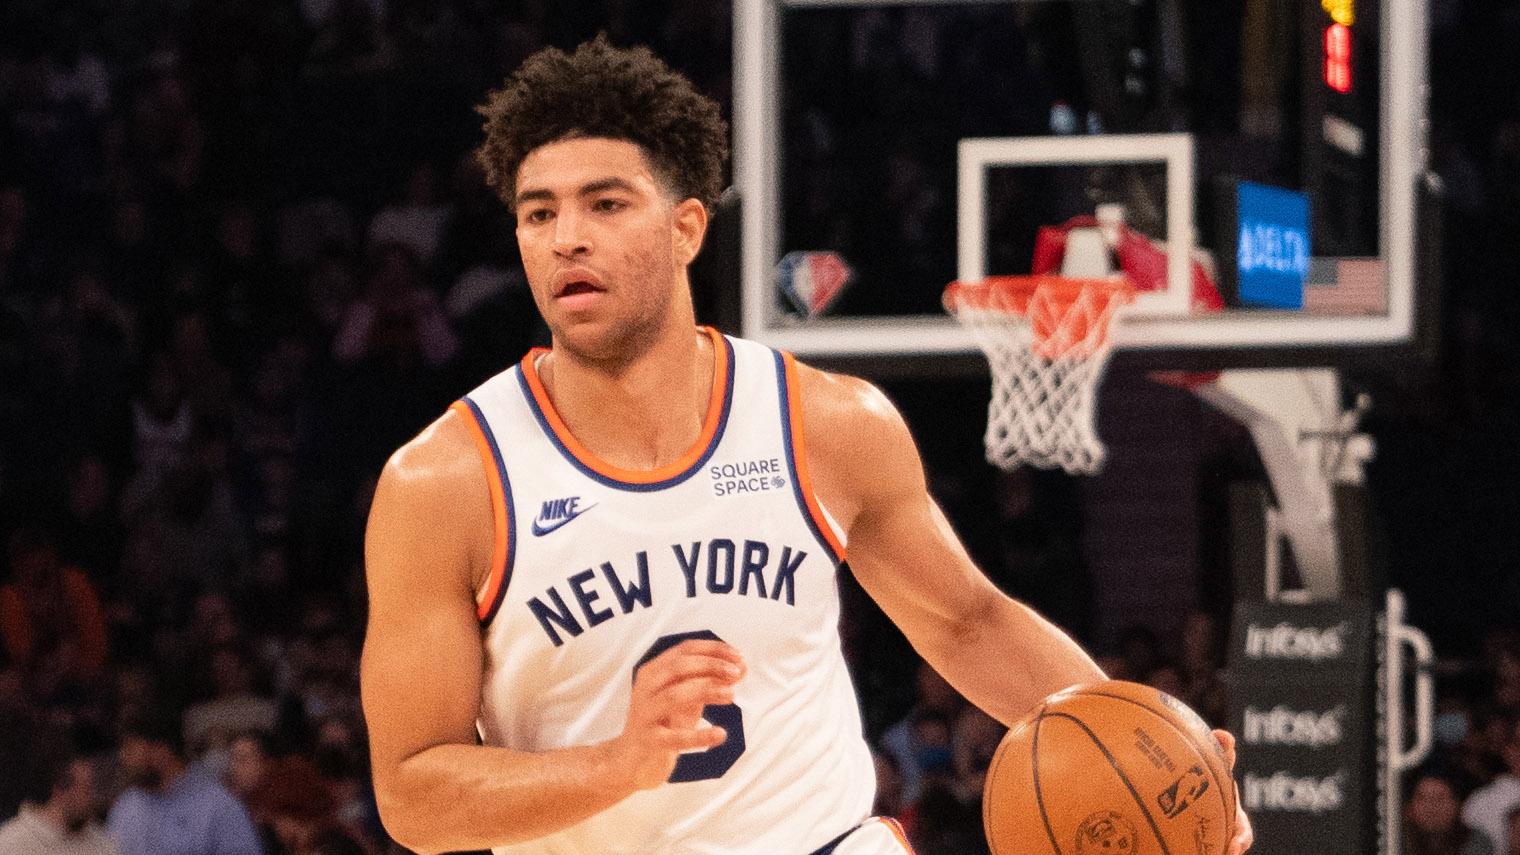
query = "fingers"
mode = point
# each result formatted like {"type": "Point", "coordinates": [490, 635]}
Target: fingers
{"type": "Point", "coordinates": [1227, 742]}
{"type": "Point", "coordinates": [686, 668]}
{"type": "Point", "coordinates": [700, 693]}
{"type": "Point", "coordinates": [672, 689]}
{"type": "Point", "coordinates": [708, 647]}
{"type": "Point", "coordinates": [1244, 835]}
{"type": "Point", "coordinates": [691, 738]}
{"type": "Point", "coordinates": [691, 660]}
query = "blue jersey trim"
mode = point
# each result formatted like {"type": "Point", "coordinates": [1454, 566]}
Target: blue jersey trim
{"type": "Point", "coordinates": [506, 493]}
{"type": "Point", "coordinates": [791, 460]}
{"type": "Point", "coordinates": [543, 423]}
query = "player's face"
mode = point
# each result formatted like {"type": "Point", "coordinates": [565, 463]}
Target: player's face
{"type": "Point", "coordinates": [605, 246]}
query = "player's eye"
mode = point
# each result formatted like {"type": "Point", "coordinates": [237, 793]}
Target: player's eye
{"type": "Point", "coordinates": [607, 206]}
{"type": "Point", "coordinates": [536, 215]}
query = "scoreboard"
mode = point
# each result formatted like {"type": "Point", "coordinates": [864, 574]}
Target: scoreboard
{"type": "Point", "coordinates": [1341, 88]}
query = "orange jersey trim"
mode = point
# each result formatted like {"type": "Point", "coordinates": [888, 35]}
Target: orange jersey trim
{"type": "Point", "coordinates": [897, 831]}
{"type": "Point", "coordinates": [584, 456]}
{"type": "Point", "coordinates": [489, 596]}
{"type": "Point", "coordinates": [799, 456]}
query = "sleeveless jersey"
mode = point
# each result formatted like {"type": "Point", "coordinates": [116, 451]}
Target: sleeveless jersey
{"type": "Point", "coordinates": [597, 570]}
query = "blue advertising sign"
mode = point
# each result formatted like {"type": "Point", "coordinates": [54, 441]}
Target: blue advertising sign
{"type": "Point", "coordinates": [1272, 246]}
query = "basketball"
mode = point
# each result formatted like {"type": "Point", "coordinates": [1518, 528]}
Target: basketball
{"type": "Point", "coordinates": [1112, 768]}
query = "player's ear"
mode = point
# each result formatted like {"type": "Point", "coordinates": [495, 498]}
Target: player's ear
{"type": "Point", "coordinates": [690, 219]}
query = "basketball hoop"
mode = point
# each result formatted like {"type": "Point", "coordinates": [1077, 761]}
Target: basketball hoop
{"type": "Point", "coordinates": [1047, 341]}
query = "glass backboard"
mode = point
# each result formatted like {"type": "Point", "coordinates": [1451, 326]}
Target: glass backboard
{"type": "Point", "coordinates": [926, 142]}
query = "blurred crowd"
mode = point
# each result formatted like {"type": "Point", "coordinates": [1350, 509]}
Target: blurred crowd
{"type": "Point", "coordinates": [244, 254]}
{"type": "Point", "coordinates": [1465, 799]}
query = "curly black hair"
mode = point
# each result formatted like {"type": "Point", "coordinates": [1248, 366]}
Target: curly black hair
{"type": "Point", "coordinates": [605, 91]}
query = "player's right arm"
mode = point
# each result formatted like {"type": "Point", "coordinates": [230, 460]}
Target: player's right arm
{"type": "Point", "coordinates": [427, 544]}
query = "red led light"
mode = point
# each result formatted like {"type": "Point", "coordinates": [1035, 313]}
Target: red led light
{"type": "Point", "coordinates": [1338, 57]}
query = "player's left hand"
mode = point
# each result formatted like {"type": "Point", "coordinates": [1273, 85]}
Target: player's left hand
{"type": "Point", "coordinates": [1244, 837]}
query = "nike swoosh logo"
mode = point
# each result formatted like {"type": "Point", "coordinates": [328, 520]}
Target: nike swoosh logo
{"type": "Point", "coordinates": [541, 529]}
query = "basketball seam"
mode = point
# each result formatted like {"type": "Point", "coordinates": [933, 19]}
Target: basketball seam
{"type": "Point", "coordinates": [1039, 795]}
{"type": "Point", "coordinates": [1223, 801]}
{"type": "Point", "coordinates": [1114, 763]}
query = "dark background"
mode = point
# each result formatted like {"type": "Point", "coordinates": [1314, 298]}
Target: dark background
{"type": "Point", "coordinates": [244, 255]}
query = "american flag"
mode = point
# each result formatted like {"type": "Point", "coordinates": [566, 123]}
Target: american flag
{"type": "Point", "coordinates": [1357, 286]}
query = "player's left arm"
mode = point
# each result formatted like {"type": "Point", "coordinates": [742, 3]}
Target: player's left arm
{"type": "Point", "coordinates": [998, 652]}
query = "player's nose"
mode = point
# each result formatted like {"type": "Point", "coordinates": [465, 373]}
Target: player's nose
{"type": "Point", "coordinates": [569, 235]}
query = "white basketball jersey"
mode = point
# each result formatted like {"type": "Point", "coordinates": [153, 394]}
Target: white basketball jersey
{"type": "Point", "coordinates": [599, 569]}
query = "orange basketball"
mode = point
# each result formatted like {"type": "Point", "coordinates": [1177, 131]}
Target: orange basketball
{"type": "Point", "coordinates": [1111, 768]}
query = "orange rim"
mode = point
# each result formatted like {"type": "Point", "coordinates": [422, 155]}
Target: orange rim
{"type": "Point", "coordinates": [1068, 317]}
{"type": "Point", "coordinates": [1012, 293]}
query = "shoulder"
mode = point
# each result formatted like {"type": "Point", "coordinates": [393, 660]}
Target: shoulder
{"type": "Point", "coordinates": [12, 832]}
{"type": "Point", "coordinates": [1487, 797]}
{"type": "Point", "coordinates": [438, 458]}
{"type": "Point", "coordinates": [833, 401]}
{"type": "Point", "coordinates": [432, 503]}
{"type": "Point", "coordinates": [128, 809]}
{"type": "Point", "coordinates": [201, 785]}
{"type": "Point", "coordinates": [439, 473]}
{"type": "Point", "coordinates": [97, 840]}
{"type": "Point", "coordinates": [858, 446]}
{"type": "Point", "coordinates": [221, 799]}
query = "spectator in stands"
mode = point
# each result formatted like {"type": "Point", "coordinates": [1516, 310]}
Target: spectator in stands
{"type": "Point", "coordinates": [20, 259]}
{"type": "Point", "coordinates": [1168, 678]}
{"type": "Point", "coordinates": [1140, 653]}
{"type": "Point", "coordinates": [1514, 832]}
{"type": "Point", "coordinates": [298, 805]}
{"type": "Point", "coordinates": [161, 420]}
{"type": "Point", "coordinates": [348, 38]}
{"type": "Point", "coordinates": [58, 816]}
{"type": "Point", "coordinates": [248, 762]}
{"type": "Point", "coordinates": [173, 807]}
{"type": "Point", "coordinates": [417, 221]}
{"type": "Point", "coordinates": [397, 321]}
{"type": "Point", "coordinates": [90, 535]}
{"type": "Point", "coordinates": [1200, 663]}
{"type": "Point", "coordinates": [1488, 808]}
{"type": "Point", "coordinates": [1430, 821]}
{"type": "Point", "coordinates": [914, 742]}
{"type": "Point", "coordinates": [940, 823]}
{"type": "Point", "coordinates": [339, 758]}
{"type": "Point", "coordinates": [234, 705]}
{"type": "Point", "coordinates": [18, 740]}
{"type": "Point", "coordinates": [165, 136]}
{"type": "Point", "coordinates": [196, 534]}
{"type": "Point", "coordinates": [1505, 662]}
{"type": "Point", "coordinates": [974, 739]}
{"type": "Point", "coordinates": [52, 627]}
{"type": "Point", "coordinates": [74, 74]}
{"type": "Point", "coordinates": [1480, 751]}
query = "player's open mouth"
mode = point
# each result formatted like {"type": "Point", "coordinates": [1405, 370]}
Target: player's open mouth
{"type": "Point", "coordinates": [574, 282]}
{"type": "Point", "coordinates": [573, 288]}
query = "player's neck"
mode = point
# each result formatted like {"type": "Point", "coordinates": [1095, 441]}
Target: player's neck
{"type": "Point", "coordinates": [641, 413]}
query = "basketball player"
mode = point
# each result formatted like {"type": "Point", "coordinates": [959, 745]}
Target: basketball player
{"type": "Point", "coordinates": [614, 563]}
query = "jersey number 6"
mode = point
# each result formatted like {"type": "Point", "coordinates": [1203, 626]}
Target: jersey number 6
{"type": "Point", "coordinates": [714, 762]}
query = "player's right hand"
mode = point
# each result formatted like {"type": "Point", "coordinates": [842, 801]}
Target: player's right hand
{"type": "Point", "coordinates": [665, 713]}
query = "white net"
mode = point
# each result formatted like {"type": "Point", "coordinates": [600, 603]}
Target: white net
{"type": "Point", "coordinates": [1047, 342]}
